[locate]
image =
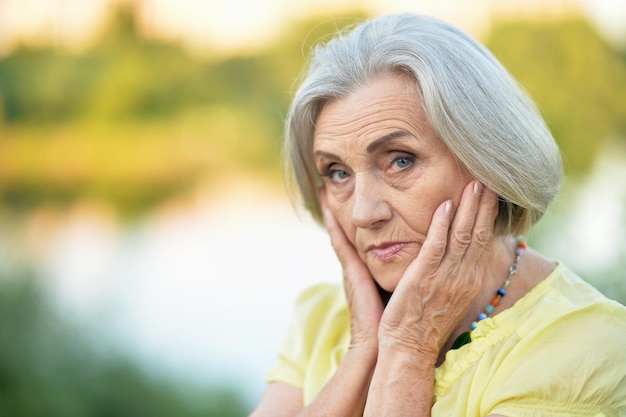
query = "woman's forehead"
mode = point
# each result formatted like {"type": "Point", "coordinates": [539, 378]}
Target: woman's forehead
{"type": "Point", "coordinates": [384, 104]}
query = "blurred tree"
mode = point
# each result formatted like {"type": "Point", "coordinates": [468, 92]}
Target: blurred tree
{"type": "Point", "coordinates": [134, 121]}
{"type": "Point", "coordinates": [39, 85]}
{"type": "Point", "coordinates": [577, 79]}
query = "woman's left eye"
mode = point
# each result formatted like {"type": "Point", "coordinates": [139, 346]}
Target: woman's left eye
{"type": "Point", "coordinates": [404, 161]}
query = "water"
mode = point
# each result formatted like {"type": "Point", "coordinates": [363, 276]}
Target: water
{"type": "Point", "coordinates": [202, 291]}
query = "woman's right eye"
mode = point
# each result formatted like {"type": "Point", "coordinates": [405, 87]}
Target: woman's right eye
{"type": "Point", "coordinates": [337, 174]}
{"type": "Point", "coordinates": [334, 173]}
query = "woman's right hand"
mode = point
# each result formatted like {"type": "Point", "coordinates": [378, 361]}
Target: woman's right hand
{"type": "Point", "coordinates": [364, 301]}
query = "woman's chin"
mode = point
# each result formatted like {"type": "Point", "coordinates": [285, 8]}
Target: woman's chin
{"type": "Point", "coordinates": [387, 278]}
{"type": "Point", "coordinates": [388, 272]}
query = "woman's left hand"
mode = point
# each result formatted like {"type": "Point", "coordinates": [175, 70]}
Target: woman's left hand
{"type": "Point", "coordinates": [428, 304]}
{"type": "Point", "coordinates": [437, 288]}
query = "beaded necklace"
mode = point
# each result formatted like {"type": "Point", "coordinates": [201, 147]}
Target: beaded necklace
{"type": "Point", "coordinates": [465, 338]}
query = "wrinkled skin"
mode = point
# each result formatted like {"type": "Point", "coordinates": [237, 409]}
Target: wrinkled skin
{"type": "Point", "coordinates": [401, 211]}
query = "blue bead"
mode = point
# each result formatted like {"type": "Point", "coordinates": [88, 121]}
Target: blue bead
{"type": "Point", "coordinates": [482, 316]}
{"type": "Point", "coordinates": [489, 309]}
{"type": "Point", "coordinates": [474, 324]}
{"type": "Point", "coordinates": [501, 292]}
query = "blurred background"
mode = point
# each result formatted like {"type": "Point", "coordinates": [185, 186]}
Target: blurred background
{"type": "Point", "coordinates": [149, 255]}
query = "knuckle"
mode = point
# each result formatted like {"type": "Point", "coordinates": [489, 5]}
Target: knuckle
{"type": "Point", "coordinates": [437, 249]}
{"type": "Point", "coordinates": [461, 237]}
{"type": "Point", "coordinates": [483, 236]}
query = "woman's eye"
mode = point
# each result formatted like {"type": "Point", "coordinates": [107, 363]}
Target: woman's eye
{"type": "Point", "coordinates": [337, 174]}
{"type": "Point", "coordinates": [403, 161]}
{"type": "Point", "coordinates": [334, 173]}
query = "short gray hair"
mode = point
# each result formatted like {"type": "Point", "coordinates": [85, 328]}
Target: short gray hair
{"type": "Point", "coordinates": [478, 110]}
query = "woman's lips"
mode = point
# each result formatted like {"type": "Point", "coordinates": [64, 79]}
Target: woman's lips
{"type": "Point", "coordinates": [387, 251]}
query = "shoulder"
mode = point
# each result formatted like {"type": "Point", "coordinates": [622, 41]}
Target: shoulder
{"type": "Point", "coordinates": [568, 350]}
{"type": "Point", "coordinates": [571, 303]}
{"type": "Point", "coordinates": [571, 317]}
{"type": "Point", "coordinates": [319, 303]}
{"type": "Point", "coordinates": [320, 321]}
{"type": "Point", "coordinates": [561, 299]}
{"type": "Point", "coordinates": [321, 293]}
{"type": "Point", "coordinates": [318, 310]}
{"type": "Point", "coordinates": [321, 313]}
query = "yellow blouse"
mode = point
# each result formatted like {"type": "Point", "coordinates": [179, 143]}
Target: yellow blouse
{"type": "Point", "coordinates": [559, 351]}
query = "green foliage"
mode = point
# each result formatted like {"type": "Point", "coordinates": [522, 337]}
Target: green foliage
{"type": "Point", "coordinates": [578, 81]}
{"type": "Point", "coordinates": [48, 369]}
{"type": "Point", "coordinates": [40, 85]}
{"type": "Point", "coordinates": [224, 117]}
{"type": "Point", "coordinates": [111, 82]}
{"type": "Point", "coordinates": [134, 122]}
{"type": "Point", "coordinates": [128, 77]}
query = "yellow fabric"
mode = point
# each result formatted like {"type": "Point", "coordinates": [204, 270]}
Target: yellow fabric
{"type": "Point", "coordinates": [559, 351]}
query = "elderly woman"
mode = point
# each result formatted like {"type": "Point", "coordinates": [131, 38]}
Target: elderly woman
{"type": "Point", "coordinates": [424, 160]}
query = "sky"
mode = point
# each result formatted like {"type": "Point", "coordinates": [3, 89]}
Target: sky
{"type": "Point", "coordinates": [242, 25]}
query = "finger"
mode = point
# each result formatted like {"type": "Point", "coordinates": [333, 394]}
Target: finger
{"type": "Point", "coordinates": [347, 255]}
{"type": "Point", "coordinates": [434, 247]}
{"type": "Point", "coordinates": [482, 232]}
{"type": "Point", "coordinates": [464, 220]}
{"type": "Point", "coordinates": [342, 246]}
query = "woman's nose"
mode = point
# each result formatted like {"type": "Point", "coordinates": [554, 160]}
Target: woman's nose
{"type": "Point", "coordinates": [370, 208]}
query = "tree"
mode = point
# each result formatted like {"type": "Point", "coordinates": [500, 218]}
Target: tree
{"type": "Point", "coordinates": [576, 78]}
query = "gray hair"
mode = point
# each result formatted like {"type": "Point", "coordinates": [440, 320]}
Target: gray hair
{"type": "Point", "coordinates": [477, 109]}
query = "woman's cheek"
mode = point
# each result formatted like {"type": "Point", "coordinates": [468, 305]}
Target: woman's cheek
{"type": "Point", "coordinates": [343, 214]}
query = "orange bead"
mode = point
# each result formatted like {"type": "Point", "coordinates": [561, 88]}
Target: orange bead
{"type": "Point", "coordinates": [522, 245]}
{"type": "Point", "coordinates": [496, 301]}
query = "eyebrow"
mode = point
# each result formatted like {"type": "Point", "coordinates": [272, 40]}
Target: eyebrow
{"type": "Point", "coordinates": [372, 147]}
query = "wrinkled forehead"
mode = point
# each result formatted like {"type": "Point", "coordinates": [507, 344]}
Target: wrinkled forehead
{"type": "Point", "coordinates": [388, 102]}
{"type": "Point", "coordinates": [399, 82]}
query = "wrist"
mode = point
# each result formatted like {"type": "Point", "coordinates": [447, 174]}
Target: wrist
{"type": "Point", "coordinates": [420, 357]}
{"type": "Point", "coordinates": [402, 383]}
{"type": "Point", "coordinates": [367, 352]}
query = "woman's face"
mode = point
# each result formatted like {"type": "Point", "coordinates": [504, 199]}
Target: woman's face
{"type": "Point", "coordinates": [385, 172]}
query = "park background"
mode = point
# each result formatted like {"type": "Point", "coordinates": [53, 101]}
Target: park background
{"type": "Point", "coordinates": [149, 255]}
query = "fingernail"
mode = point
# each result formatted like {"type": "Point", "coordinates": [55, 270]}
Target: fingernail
{"type": "Point", "coordinates": [478, 187]}
{"type": "Point", "coordinates": [448, 206]}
